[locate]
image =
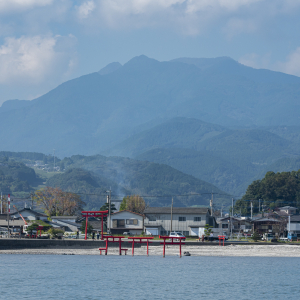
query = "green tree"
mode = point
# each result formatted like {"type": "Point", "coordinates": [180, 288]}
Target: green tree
{"type": "Point", "coordinates": [255, 236]}
{"type": "Point", "coordinates": [32, 227]}
{"type": "Point", "coordinates": [105, 206]}
{"type": "Point", "coordinates": [274, 190]}
{"type": "Point", "coordinates": [89, 227]}
{"type": "Point", "coordinates": [55, 232]}
{"type": "Point", "coordinates": [134, 203]}
{"type": "Point", "coordinates": [207, 230]}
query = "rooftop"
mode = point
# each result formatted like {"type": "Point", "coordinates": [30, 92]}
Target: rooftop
{"type": "Point", "coordinates": [177, 210]}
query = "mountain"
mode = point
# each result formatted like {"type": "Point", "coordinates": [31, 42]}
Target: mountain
{"type": "Point", "coordinates": [14, 104]}
{"type": "Point", "coordinates": [157, 183]}
{"type": "Point", "coordinates": [92, 113]}
{"type": "Point", "coordinates": [228, 158]}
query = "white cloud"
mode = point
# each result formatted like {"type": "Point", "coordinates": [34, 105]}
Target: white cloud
{"type": "Point", "coordinates": [187, 16]}
{"type": "Point", "coordinates": [33, 60]}
{"type": "Point", "coordinates": [291, 65]}
{"type": "Point", "coordinates": [256, 61]}
{"type": "Point", "coordinates": [9, 5]}
{"type": "Point", "coordinates": [85, 9]}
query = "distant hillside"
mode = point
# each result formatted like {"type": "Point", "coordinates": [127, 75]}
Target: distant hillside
{"type": "Point", "coordinates": [92, 188]}
{"type": "Point", "coordinates": [228, 158]}
{"type": "Point", "coordinates": [29, 157]}
{"type": "Point", "coordinates": [16, 177]}
{"type": "Point", "coordinates": [92, 113]}
{"type": "Point", "coordinates": [156, 182]}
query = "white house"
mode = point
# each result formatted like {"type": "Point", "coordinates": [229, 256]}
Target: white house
{"type": "Point", "coordinates": [127, 221]}
{"type": "Point", "coordinates": [187, 220]}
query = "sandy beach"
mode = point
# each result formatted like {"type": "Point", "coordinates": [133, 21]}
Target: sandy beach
{"type": "Point", "coordinates": [285, 250]}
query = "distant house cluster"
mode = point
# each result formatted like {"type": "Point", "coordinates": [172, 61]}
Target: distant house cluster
{"type": "Point", "coordinates": [190, 221]}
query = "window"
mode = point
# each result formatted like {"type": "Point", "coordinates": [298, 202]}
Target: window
{"type": "Point", "coordinates": [132, 222]}
{"type": "Point", "coordinates": [121, 223]}
{"type": "Point", "coordinates": [224, 225]}
{"type": "Point", "coordinates": [197, 219]}
{"type": "Point", "coordinates": [182, 219]}
{"type": "Point", "coordinates": [152, 218]}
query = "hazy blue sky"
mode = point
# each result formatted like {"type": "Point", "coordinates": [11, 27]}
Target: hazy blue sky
{"type": "Point", "coordinates": [46, 42]}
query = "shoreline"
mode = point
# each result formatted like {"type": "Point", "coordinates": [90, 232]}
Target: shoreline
{"type": "Point", "coordinates": [285, 250]}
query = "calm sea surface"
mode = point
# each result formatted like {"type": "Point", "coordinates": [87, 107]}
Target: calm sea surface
{"type": "Point", "coordinates": [139, 277]}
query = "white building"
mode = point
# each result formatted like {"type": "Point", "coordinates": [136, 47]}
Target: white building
{"type": "Point", "coordinates": [186, 220]}
{"type": "Point", "coordinates": [127, 221]}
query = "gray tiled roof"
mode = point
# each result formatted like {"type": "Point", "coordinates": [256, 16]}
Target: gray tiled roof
{"type": "Point", "coordinates": [295, 218]}
{"type": "Point", "coordinates": [176, 210]}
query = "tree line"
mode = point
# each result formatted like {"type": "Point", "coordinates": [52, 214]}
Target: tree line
{"type": "Point", "coordinates": [274, 190]}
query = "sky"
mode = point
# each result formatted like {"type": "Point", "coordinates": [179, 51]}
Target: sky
{"type": "Point", "coordinates": [44, 43]}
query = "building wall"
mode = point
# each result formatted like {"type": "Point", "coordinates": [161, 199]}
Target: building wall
{"type": "Point", "coordinates": [164, 220]}
{"type": "Point", "coordinates": [128, 216]}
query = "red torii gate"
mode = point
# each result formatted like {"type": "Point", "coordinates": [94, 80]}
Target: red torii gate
{"type": "Point", "coordinates": [97, 214]}
{"type": "Point", "coordinates": [172, 238]}
{"type": "Point", "coordinates": [140, 240]}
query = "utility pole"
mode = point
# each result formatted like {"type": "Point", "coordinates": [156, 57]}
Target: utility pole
{"type": "Point", "coordinates": [211, 204]}
{"type": "Point", "coordinates": [251, 210]}
{"type": "Point", "coordinates": [1, 202]}
{"type": "Point", "coordinates": [8, 216]}
{"type": "Point", "coordinates": [109, 210]}
{"type": "Point", "coordinates": [54, 159]}
{"type": "Point", "coordinates": [231, 220]}
{"type": "Point", "coordinates": [222, 211]}
{"type": "Point", "coordinates": [258, 205]}
{"type": "Point", "coordinates": [171, 214]}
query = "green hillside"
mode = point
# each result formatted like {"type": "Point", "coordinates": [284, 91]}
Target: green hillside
{"type": "Point", "coordinates": [228, 158]}
{"type": "Point", "coordinates": [92, 188]}
{"type": "Point", "coordinates": [156, 182]}
{"type": "Point", "coordinates": [16, 177]}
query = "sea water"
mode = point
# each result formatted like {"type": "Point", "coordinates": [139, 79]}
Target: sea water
{"type": "Point", "coordinates": [153, 277]}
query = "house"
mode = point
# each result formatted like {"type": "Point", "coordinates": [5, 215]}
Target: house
{"type": "Point", "coordinates": [269, 225]}
{"type": "Point", "coordinates": [288, 210]}
{"type": "Point", "coordinates": [15, 226]}
{"type": "Point", "coordinates": [184, 219]}
{"type": "Point", "coordinates": [127, 221]}
{"type": "Point", "coordinates": [66, 223]}
{"type": "Point", "coordinates": [293, 225]}
{"type": "Point", "coordinates": [94, 222]}
{"type": "Point", "coordinates": [237, 225]}
{"type": "Point", "coordinates": [29, 215]}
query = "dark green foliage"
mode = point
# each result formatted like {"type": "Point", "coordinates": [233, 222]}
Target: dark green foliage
{"type": "Point", "coordinates": [16, 177]}
{"type": "Point", "coordinates": [274, 190]}
{"type": "Point", "coordinates": [89, 227]}
{"type": "Point", "coordinates": [105, 206]}
{"type": "Point", "coordinates": [28, 157]}
{"type": "Point", "coordinates": [207, 230]}
{"type": "Point", "coordinates": [255, 236]}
